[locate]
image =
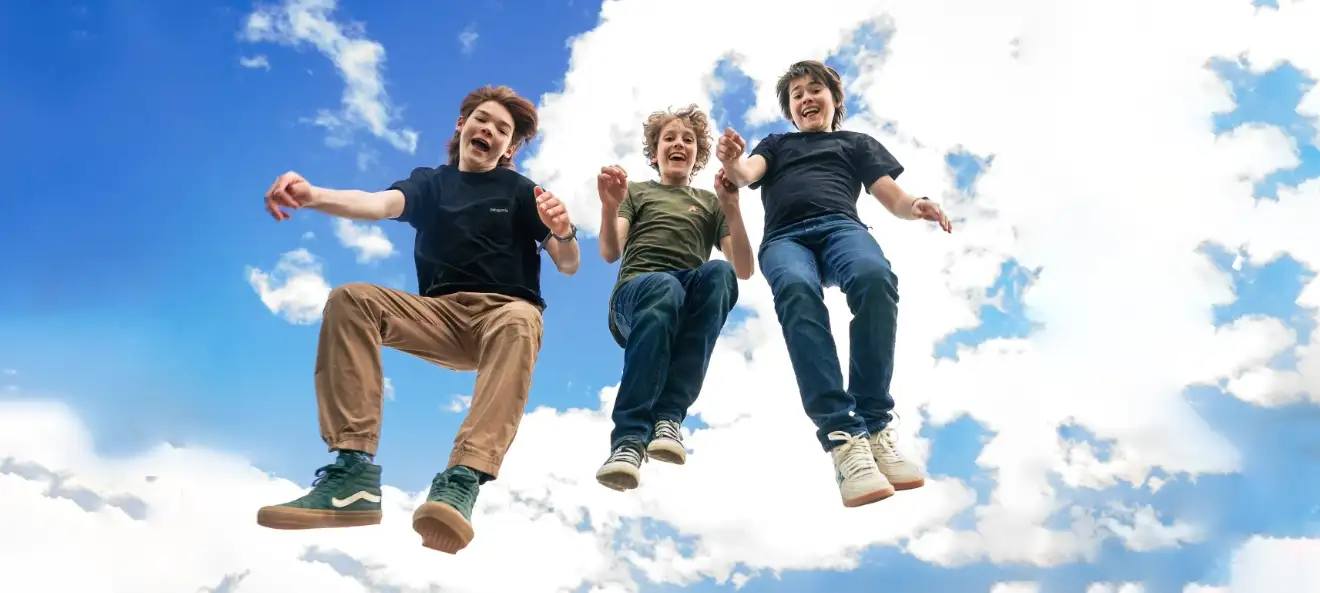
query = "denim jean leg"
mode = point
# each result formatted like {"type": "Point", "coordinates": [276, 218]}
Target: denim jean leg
{"type": "Point", "coordinates": [854, 262]}
{"type": "Point", "coordinates": [790, 268]}
{"type": "Point", "coordinates": [646, 313]}
{"type": "Point", "coordinates": [711, 292]}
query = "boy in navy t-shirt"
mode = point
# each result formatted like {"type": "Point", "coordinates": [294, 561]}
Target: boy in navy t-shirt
{"type": "Point", "coordinates": [480, 227]}
{"type": "Point", "coordinates": [810, 181]}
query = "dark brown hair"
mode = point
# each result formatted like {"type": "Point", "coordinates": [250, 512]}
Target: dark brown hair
{"type": "Point", "coordinates": [693, 118]}
{"type": "Point", "coordinates": [820, 73]}
{"type": "Point", "coordinates": [522, 110]}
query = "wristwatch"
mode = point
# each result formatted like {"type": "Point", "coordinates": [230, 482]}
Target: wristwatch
{"type": "Point", "coordinates": [572, 233]}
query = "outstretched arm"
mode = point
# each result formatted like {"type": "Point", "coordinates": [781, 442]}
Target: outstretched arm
{"type": "Point", "coordinates": [746, 170]}
{"type": "Point", "coordinates": [893, 198]}
{"type": "Point", "coordinates": [357, 204]}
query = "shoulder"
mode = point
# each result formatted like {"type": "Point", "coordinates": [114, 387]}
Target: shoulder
{"type": "Point", "coordinates": [857, 138]}
{"type": "Point", "coordinates": [771, 140]}
{"type": "Point", "coordinates": [706, 195]}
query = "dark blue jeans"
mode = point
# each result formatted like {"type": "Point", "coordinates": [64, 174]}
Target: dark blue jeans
{"type": "Point", "coordinates": [799, 261]}
{"type": "Point", "coordinates": [669, 322]}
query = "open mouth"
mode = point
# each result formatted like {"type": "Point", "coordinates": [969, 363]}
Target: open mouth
{"type": "Point", "coordinates": [809, 111]}
{"type": "Point", "coordinates": [480, 144]}
{"type": "Point", "coordinates": [677, 157]}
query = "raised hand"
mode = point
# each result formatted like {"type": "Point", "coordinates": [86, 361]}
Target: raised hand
{"type": "Point", "coordinates": [552, 212]}
{"type": "Point", "coordinates": [725, 190]}
{"type": "Point", "coordinates": [291, 191]}
{"type": "Point", "coordinates": [928, 210]}
{"type": "Point", "coordinates": [612, 185]}
{"type": "Point", "coordinates": [729, 148]}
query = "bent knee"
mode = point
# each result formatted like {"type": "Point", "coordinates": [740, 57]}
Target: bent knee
{"type": "Point", "coordinates": [350, 293]}
{"type": "Point", "coordinates": [718, 270]}
{"type": "Point", "coordinates": [519, 318]}
{"type": "Point", "coordinates": [664, 292]}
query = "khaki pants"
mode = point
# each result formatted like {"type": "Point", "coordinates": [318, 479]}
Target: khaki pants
{"type": "Point", "coordinates": [498, 336]}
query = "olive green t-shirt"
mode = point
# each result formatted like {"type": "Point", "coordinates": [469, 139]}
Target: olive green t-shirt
{"type": "Point", "coordinates": [669, 228]}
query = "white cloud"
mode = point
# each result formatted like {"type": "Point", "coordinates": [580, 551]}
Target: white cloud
{"type": "Point", "coordinates": [1115, 588]}
{"type": "Point", "coordinates": [366, 104]}
{"type": "Point", "coordinates": [257, 61]}
{"type": "Point", "coordinates": [459, 403]}
{"type": "Point", "coordinates": [308, 236]}
{"type": "Point", "coordinates": [467, 39]}
{"type": "Point", "coordinates": [1015, 587]}
{"type": "Point", "coordinates": [1277, 565]}
{"type": "Point", "coordinates": [11, 372]}
{"type": "Point", "coordinates": [368, 240]}
{"type": "Point", "coordinates": [389, 388]}
{"type": "Point", "coordinates": [295, 290]}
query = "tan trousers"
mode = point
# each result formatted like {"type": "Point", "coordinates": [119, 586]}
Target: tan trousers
{"type": "Point", "coordinates": [496, 335]}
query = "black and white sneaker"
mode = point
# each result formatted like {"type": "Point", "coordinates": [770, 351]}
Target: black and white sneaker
{"type": "Point", "coordinates": [623, 470]}
{"type": "Point", "coordinates": [667, 443]}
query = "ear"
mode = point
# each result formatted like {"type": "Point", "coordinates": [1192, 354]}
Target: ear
{"type": "Point", "coordinates": [459, 125]}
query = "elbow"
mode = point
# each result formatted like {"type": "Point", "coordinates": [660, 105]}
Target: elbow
{"type": "Point", "coordinates": [567, 268]}
{"type": "Point", "coordinates": [609, 256]}
{"type": "Point", "coordinates": [744, 274]}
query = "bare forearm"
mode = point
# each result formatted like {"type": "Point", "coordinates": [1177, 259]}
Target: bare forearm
{"type": "Point", "coordinates": [740, 247]}
{"type": "Point", "coordinates": [357, 204]}
{"type": "Point", "coordinates": [610, 249]}
{"type": "Point", "coordinates": [745, 170]}
{"type": "Point", "coordinates": [565, 254]}
{"type": "Point", "coordinates": [893, 198]}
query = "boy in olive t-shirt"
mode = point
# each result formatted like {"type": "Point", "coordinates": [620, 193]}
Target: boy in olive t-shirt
{"type": "Point", "coordinates": [670, 300]}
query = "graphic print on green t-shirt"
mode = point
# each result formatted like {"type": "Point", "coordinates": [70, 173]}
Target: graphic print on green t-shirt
{"type": "Point", "coordinates": [670, 227]}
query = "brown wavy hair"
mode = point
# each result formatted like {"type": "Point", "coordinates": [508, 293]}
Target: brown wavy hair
{"type": "Point", "coordinates": [818, 72]}
{"type": "Point", "coordinates": [693, 118]}
{"type": "Point", "coordinates": [522, 110]}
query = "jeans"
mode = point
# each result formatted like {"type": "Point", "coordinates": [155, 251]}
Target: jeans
{"type": "Point", "coordinates": [799, 261]}
{"type": "Point", "coordinates": [669, 322]}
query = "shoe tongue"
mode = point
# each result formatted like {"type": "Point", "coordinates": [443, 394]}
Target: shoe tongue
{"type": "Point", "coordinates": [462, 473]}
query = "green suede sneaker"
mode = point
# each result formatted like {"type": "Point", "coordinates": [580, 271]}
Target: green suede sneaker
{"type": "Point", "coordinates": [345, 493]}
{"type": "Point", "coordinates": [445, 520]}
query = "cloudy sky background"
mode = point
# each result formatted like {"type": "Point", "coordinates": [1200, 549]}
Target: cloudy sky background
{"type": "Point", "coordinates": [1110, 369]}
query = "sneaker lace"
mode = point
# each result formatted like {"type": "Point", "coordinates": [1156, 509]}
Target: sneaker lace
{"type": "Point", "coordinates": [856, 459]}
{"type": "Point", "coordinates": [627, 453]}
{"type": "Point", "coordinates": [886, 442]}
{"type": "Point", "coordinates": [330, 475]}
{"type": "Point", "coordinates": [667, 429]}
{"type": "Point", "coordinates": [458, 493]}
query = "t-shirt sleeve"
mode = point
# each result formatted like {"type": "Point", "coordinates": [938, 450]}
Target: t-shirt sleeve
{"type": "Point", "coordinates": [529, 218]}
{"type": "Point", "coordinates": [768, 148]}
{"type": "Point", "coordinates": [871, 161]}
{"type": "Point", "coordinates": [628, 207]}
{"type": "Point", "coordinates": [421, 190]}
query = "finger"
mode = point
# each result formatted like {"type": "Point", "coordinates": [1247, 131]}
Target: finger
{"type": "Point", "coordinates": [537, 191]}
{"type": "Point", "coordinates": [553, 211]}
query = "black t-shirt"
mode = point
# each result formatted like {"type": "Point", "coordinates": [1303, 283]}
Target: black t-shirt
{"type": "Point", "coordinates": [476, 232]}
{"type": "Point", "coordinates": [809, 174]}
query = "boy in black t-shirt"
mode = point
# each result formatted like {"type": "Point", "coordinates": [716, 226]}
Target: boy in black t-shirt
{"type": "Point", "coordinates": [810, 181]}
{"type": "Point", "coordinates": [478, 225]}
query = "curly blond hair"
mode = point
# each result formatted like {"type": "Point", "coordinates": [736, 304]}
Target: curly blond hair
{"type": "Point", "coordinates": [693, 118]}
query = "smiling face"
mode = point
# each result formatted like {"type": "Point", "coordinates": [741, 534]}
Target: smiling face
{"type": "Point", "coordinates": [677, 143]}
{"type": "Point", "coordinates": [484, 137]}
{"type": "Point", "coordinates": [811, 96]}
{"type": "Point", "coordinates": [676, 151]}
{"type": "Point", "coordinates": [811, 104]}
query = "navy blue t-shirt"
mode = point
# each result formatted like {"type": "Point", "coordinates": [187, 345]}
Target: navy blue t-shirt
{"type": "Point", "coordinates": [810, 174]}
{"type": "Point", "coordinates": [476, 232]}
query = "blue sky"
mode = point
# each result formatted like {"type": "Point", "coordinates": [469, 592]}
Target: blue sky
{"type": "Point", "coordinates": [138, 149]}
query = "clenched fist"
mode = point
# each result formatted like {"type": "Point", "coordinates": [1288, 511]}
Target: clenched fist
{"type": "Point", "coordinates": [291, 191]}
{"type": "Point", "coordinates": [729, 148]}
{"type": "Point", "coordinates": [552, 212]}
{"type": "Point", "coordinates": [612, 185]}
